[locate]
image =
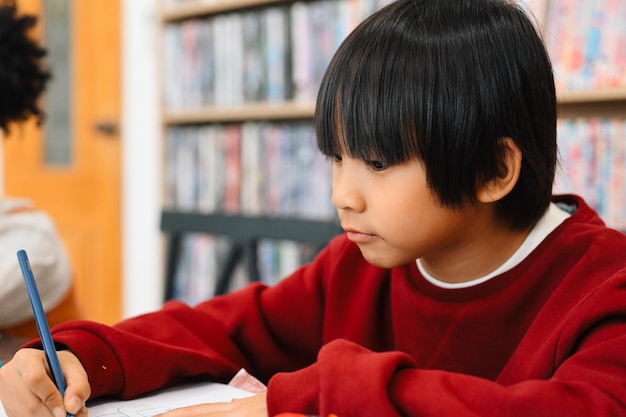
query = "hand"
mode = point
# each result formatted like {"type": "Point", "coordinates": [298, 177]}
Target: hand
{"type": "Point", "coordinates": [255, 406]}
{"type": "Point", "coordinates": [26, 388]}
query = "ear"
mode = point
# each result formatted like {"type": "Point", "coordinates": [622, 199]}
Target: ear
{"type": "Point", "coordinates": [509, 167]}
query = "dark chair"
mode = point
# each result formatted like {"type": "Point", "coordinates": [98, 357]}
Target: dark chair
{"type": "Point", "coordinates": [243, 233]}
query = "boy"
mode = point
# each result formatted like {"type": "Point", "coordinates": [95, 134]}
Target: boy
{"type": "Point", "coordinates": [458, 289]}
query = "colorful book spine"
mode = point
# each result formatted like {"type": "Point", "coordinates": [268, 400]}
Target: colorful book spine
{"type": "Point", "coordinates": [592, 158]}
{"type": "Point", "coordinates": [260, 168]}
{"type": "Point", "coordinates": [271, 54]}
{"type": "Point", "coordinates": [587, 43]}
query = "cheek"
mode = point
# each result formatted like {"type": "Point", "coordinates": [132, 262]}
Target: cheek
{"type": "Point", "coordinates": [411, 201]}
{"type": "Point", "coordinates": [404, 212]}
{"type": "Point", "coordinates": [414, 216]}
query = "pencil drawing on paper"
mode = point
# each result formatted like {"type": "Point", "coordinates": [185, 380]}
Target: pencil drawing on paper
{"type": "Point", "coordinates": [137, 410]}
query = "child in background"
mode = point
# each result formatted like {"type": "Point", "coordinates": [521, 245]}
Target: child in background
{"type": "Point", "coordinates": [461, 287]}
{"type": "Point", "coordinates": [22, 226]}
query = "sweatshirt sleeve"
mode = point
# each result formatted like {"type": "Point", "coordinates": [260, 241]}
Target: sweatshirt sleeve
{"type": "Point", "coordinates": [346, 378]}
{"type": "Point", "coordinates": [151, 351]}
{"type": "Point", "coordinates": [576, 369]}
{"type": "Point", "coordinates": [349, 380]}
{"type": "Point", "coordinates": [259, 328]}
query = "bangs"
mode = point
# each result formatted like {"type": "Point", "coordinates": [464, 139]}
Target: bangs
{"type": "Point", "coordinates": [359, 111]}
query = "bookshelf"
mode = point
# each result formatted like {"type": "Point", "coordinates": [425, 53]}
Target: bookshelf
{"type": "Point", "coordinates": [181, 23]}
{"type": "Point", "coordinates": [289, 106]}
{"type": "Point", "coordinates": [590, 74]}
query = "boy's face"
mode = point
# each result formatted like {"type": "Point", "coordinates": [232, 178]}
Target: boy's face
{"type": "Point", "coordinates": [394, 217]}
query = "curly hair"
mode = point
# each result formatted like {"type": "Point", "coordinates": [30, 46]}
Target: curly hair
{"type": "Point", "coordinates": [23, 77]}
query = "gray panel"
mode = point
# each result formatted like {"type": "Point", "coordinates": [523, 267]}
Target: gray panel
{"type": "Point", "coordinates": [58, 134]}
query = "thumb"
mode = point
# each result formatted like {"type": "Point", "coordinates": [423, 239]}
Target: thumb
{"type": "Point", "coordinates": [77, 389]}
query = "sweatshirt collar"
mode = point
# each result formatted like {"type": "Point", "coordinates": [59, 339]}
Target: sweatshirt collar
{"type": "Point", "coordinates": [552, 219]}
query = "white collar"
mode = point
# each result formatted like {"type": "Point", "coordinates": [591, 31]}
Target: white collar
{"type": "Point", "coordinates": [553, 217]}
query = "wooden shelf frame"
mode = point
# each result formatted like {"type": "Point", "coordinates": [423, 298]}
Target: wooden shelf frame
{"type": "Point", "coordinates": [603, 102]}
{"type": "Point", "coordinates": [592, 95]}
{"type": "Point", "coordinates": [208, 8]}
{"type": "Point", "coordinates": [588, 103]}
{"type": "Point", "coordinates": [240, 113]}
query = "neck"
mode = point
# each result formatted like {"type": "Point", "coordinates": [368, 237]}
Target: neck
{"type": "Point", "coordinates": [485, 247]}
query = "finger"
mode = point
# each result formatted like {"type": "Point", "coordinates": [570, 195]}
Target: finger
{"type": "Point", "coordinates": [254, 406]}
{"type": "Point", "coordinates": [45, 393]}
{"type": "Point", "coordinates": [208, 409]}
{"type": "Point", "coordinates": [82, 412]}
{"type": "Point", "coordinates": [213, 410]}
{"type": "Point", "coordinates": [27, 386]}
{"type": "Point", "coordinates": [77, 384]}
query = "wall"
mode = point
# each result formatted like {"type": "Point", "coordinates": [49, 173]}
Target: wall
{"type": "Point", "coordinates": [142, 263]}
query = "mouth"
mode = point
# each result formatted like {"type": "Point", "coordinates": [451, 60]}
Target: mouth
{"type": "Point", "coordinates": [358, 236]}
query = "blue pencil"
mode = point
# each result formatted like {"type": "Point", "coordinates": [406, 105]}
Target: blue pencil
{"type": "Point", "coordinates": [42, 323]}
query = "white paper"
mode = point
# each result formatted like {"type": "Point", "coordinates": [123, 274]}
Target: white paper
{"type": "Point", "coordinates": [163, 401]}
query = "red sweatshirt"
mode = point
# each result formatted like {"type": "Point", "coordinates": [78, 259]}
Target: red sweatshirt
{"type": "Point", "coordinates": [547, 338]}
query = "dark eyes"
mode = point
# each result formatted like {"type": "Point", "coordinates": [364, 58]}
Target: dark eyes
{"type": "Point", "coordinates": [377, 165]}
{"type": "Point", "coordinates": [373, 164]}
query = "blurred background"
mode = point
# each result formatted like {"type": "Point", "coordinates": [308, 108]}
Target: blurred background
{"type": "Point", "coordinates": [201, 107]}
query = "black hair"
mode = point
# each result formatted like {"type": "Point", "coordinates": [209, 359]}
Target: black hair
{"type": "Point", "coordinates": [444, 81]}
{"type": "Point", "coordinates": [23, 77]}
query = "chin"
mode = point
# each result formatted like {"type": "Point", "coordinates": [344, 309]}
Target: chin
{"type": "Point", "coordinates": [382, 260]}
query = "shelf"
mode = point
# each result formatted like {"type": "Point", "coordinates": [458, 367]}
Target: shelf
{"type": "Point", "coordinates": [609, 102]}
{"type": "Point", "coordinates": [198, 8]}
{"type": "Point", "coordinates": [591, 96]}
{"type": "Point", "coordinates": [244, 112]}
{"type": "Point", "coordinates": [596, 103]}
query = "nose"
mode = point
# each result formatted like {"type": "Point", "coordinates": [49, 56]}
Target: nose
{"type": "Point", "coordinates": [347, 190]}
